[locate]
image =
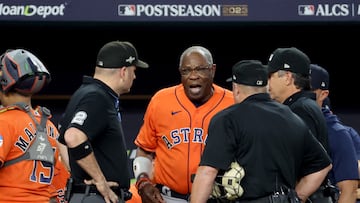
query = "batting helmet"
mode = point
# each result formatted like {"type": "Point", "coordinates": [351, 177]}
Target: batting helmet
{"type": "Point", "coordinates": [23, 72]}
{"type": "Point", "coordinates": [228, 185]}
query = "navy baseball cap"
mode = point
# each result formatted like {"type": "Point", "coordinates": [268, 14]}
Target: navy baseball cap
{"type": "Point", "coordinates": [117, 54]}
{"type": "Point", "coordinates": [319, 77]}
{"type": "Point", "coordinates": [289, 59]}
{"type": "Point", "coordinates": [249, 72]}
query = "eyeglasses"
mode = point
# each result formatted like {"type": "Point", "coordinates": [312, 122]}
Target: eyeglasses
{"type": "Point", "coordinates": [199, 70]}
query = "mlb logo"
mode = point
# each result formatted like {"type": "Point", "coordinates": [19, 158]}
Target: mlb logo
{"type": "Point", "coordinates": [126, 10]}
{"type": "Point", "coordinates": [306, 10]}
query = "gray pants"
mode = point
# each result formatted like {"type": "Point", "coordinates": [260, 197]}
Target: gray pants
{"type": "Point", "coordinates": [88, 198]}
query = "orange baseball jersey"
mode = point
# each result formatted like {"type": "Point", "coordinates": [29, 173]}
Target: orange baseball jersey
{"type": "Point", "coordinates": [61, 176]}
{"type": "Point", "coordinates": [27, 180]}
{"type": "Point", "coordinates": [176, 131]}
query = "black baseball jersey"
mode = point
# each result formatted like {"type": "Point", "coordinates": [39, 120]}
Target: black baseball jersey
{"type": "Point", "coordinates": [93, 109]}
{"type": "Point", "coordinates": [271, 143]}
{"type": "Point", "coordinates": [304, 104]}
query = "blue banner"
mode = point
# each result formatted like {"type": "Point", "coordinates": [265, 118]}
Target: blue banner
{"type": "Point", "coordinates": [180, 11]}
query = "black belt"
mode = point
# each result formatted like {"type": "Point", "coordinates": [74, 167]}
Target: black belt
{"type": "Point", "coordinates": [171, 193]}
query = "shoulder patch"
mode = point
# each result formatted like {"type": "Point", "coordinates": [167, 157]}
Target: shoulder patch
{"type": "Point", "coordinates": [79, 118]}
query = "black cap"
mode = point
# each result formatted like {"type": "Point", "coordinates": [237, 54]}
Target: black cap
{"type": "Point", "coordinates": [249, 72]}
{"type": "Point", "coordinates": [289, 59]}
{"type": "Point", "coordinates": [319, 77]}
{"type": "Point", "coordinates": [117, 54]}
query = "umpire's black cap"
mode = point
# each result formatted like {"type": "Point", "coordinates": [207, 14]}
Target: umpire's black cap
{"type": "Point", "coordinates": [289, 59]}
{"type": "Point", "coordinates": [117, 54]}
{"type": "Point", "coordinates": [249, 72]}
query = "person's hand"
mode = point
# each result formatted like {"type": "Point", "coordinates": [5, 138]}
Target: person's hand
{"type": "Point", "coordinates": [150, 194]}
{"type": "Point", "coordinates": [104, 188]}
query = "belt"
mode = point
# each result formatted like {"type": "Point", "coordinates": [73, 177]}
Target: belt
{"type": "Point", "coordinates": [165, 190]}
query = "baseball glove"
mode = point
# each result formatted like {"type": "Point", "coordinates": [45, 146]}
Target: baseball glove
{"type": "Point", "coordinates": [228, 185]}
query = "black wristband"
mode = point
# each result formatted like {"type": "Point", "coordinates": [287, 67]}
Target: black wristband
{"type": "Point", "coordinates": [81, 151]}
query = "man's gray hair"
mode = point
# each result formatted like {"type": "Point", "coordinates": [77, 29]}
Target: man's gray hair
{"type": "Point", "coordinates": [199, 49]}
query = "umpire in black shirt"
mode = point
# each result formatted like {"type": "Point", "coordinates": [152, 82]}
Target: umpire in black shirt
{"type": "Point", "coordinates": [91, 128]}
{"type": "Point", "coordinates": [272, 144]}
{"type": "Point", "coordinates": [289, 84]}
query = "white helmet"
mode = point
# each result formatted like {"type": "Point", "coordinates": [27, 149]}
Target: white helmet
{"type": "Point", "coordinates": [228, 185]}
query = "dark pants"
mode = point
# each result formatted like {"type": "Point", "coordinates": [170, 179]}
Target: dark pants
{"type": "Point", "coordinates": [89, 194]}
{"type": "Point", "coordinates": [275, 198]}
{"type": "Point", "coordinates": [88, 198]}
{"type": "Point", "coordinates": [267, 199]}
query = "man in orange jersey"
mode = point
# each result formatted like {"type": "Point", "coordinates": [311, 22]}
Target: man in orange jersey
{"type": "Point", "coordinates": [25, 178]}
{"type": "Point", "coordinates": [175, 129]}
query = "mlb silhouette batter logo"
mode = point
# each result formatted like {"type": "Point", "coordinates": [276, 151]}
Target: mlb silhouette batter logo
{"type": "Point", "coordinates": [306, 10]}
{"type": "Point", "coordinates": [126, 10]}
